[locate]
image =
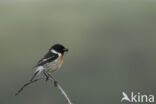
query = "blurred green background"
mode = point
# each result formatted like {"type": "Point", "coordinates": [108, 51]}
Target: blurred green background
{"type": "Point", "coordinates": [112, 49]}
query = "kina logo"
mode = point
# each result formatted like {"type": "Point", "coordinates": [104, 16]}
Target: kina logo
{"type": "Point", "coordinates": [137, 97]}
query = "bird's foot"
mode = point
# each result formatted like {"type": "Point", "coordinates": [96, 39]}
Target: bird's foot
{"type": "Point", "coordinates": [47, 78]}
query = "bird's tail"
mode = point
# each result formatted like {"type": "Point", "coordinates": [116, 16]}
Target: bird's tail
{"type": "Point", "coordinates": [37, 72]}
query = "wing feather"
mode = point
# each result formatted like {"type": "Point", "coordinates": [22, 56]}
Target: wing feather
{"type": "Point", "coordinates": [49, 57]}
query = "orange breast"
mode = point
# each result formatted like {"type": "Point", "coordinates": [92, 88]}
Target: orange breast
{"type": "Point", "coordinates": [60, 61]}
{"type": "Point", "coordinates": [61, 58]}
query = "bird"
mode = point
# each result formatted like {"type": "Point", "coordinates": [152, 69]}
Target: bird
{"type": "Point", "coordinates": [50, 62]}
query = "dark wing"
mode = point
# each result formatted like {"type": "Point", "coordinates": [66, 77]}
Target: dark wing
{"type": "Point", "coordinates": [49, 57]}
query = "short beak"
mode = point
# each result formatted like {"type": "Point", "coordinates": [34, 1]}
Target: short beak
{"type": "Point", "coordinates": [65, 50]}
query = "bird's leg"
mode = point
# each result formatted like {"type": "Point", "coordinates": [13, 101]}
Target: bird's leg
{"type": "Point", "coordinates": [47, 77]}
{"type": "Point", "coordinates": [30, 82]}
{"type": "Point", "coordinates": [55, 81]}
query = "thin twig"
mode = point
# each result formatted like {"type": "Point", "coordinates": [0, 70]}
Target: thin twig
{"type": "Point", "coordinates": [56, 84]}
{"type": "Point", "coordinates": [61, 90]}
{"type": "Point", "coordinates": [64, 94]}
{"type": "Point", "coordinates": [21, 89]}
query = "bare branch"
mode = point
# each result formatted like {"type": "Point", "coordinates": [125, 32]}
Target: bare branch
{"type": "Point", "coordinates": [64, 93]}
{"type": "Point", "coordinates": [56, 84]}
{"type": "Point", "coordinates": [21, 89]}
{"type": "Point", "coordinates": [61, 90]}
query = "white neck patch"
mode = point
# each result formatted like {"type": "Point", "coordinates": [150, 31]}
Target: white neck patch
{"type": "Point", "coordinates": [53, 51]}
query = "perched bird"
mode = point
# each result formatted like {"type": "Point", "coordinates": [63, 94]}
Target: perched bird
{"type": "Point", "coordinates": [51, 61]}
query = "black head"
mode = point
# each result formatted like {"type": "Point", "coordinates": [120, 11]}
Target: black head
{"type": "Point", "coordinates": [59, 48]}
